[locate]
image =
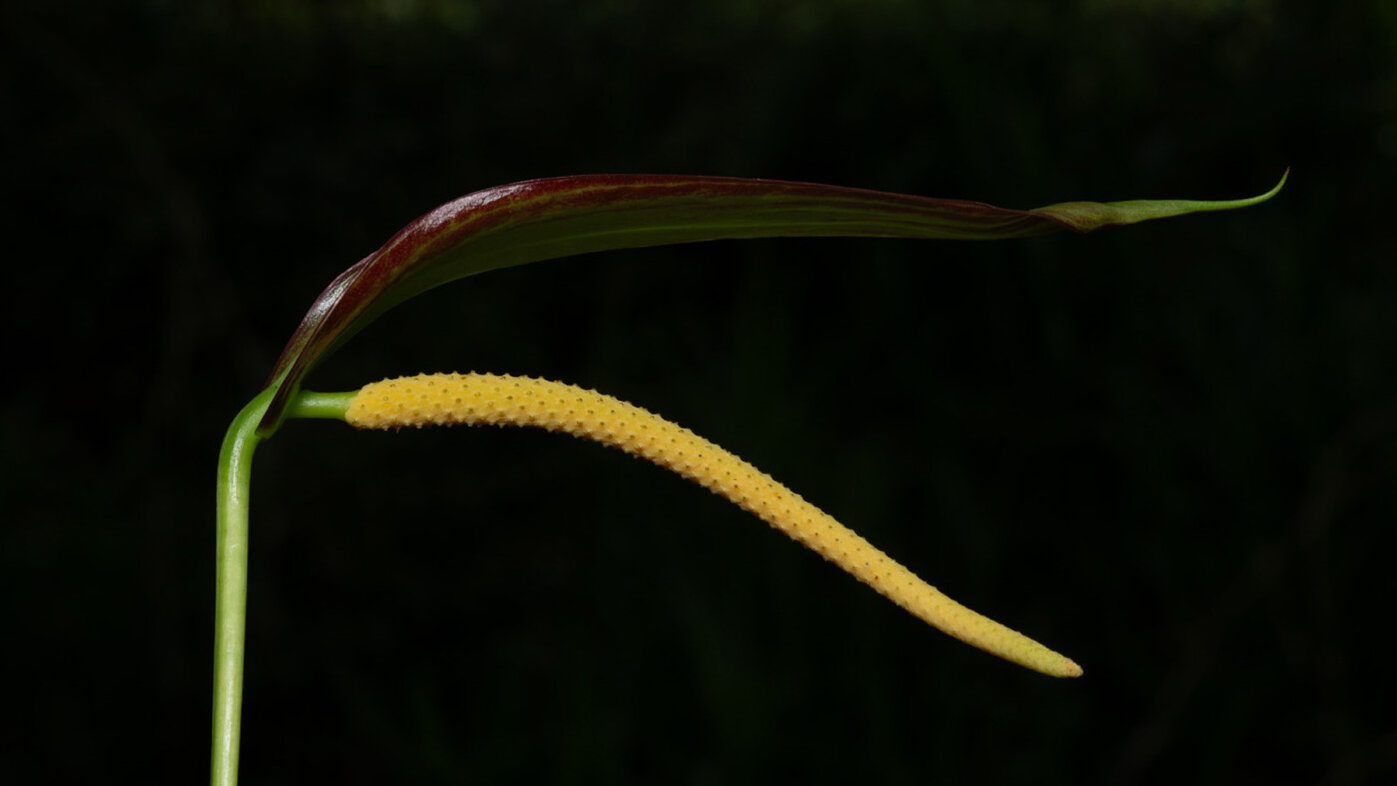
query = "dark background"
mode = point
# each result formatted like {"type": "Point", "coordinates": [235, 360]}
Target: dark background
{"type": "Point", "coordinates": [1168, 451]}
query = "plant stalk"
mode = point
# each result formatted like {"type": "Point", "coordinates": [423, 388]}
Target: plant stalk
{"type": "Point", "coordinates": [230, 609]}
{"type": "Point", "coordinates": [230, 605]}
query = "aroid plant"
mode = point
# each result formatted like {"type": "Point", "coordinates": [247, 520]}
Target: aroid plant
{"type": "Point", "coordinates": [545, 219]}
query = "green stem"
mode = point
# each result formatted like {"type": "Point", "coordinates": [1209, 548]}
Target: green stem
{"type": "Point", "coordinates": [230, 611]}
{"type": "Point", "coordinates": [230, 606]}
{"type": "Point", "coordinates": [329, 406]}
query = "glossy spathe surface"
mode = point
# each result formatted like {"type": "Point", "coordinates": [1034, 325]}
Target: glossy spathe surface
{"type": "Point", "coordinates": [543, 219]}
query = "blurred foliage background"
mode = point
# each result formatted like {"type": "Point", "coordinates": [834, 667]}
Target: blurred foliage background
{"type": "Point", "coordinates": [1168, 451]}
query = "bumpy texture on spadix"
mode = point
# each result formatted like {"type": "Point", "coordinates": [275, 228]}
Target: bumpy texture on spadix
{"type": "Point", "coordinates": [485, 399]}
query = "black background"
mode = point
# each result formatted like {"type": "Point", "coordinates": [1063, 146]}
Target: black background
{"type": "Point", "coordinates": [1167, 451]}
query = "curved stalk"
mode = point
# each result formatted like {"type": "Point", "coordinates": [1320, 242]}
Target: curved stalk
{"type": "Point", "coordinates": [230, 610]}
